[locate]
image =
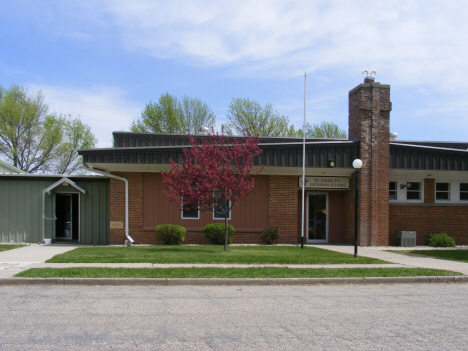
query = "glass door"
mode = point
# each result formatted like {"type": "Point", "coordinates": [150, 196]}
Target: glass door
{"type": "Point", "coordinates": [317, 219]}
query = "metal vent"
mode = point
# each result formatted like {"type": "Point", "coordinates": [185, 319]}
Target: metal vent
{"type": "Point", "coordinates": [406, 238]}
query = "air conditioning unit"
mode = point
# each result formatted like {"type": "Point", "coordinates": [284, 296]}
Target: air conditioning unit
{"type": "Point", "coordinates": [406, 238]}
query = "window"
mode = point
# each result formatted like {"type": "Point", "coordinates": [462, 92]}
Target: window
{"type": "Point", "coordinates": [443, 191]}
{"type": "Point", "coordinates": [219, 209]}
{"type": "Point", "coordinates": [464, 191]}
{"type": "Point", "coordinates": [392, 191]}
{"type": "Point", "coordinates": [413, 191]}
{"type": "Point", "coordinates": [190, 213]}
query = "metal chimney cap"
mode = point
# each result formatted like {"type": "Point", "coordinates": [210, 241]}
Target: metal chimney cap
{"type": "Point", "coordinates": [369, 78]}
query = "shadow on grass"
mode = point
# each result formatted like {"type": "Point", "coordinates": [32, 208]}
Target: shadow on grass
{"type": "Point", "coordinates": [451, 255]}
{"type": "Point", "coordinates": [176, 249]}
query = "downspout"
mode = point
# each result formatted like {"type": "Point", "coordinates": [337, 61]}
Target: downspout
{"type": "Point", "coordinates": [91, 169]}
{"type": "Point", "coordinates": [43, 214]}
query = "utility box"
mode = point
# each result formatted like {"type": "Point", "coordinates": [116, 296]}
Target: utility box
{"type": "Point", "coordinates": [406, 238]}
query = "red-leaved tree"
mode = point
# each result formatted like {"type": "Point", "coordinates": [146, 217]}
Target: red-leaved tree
{"type": "Point", "coordinates": [214, 174]}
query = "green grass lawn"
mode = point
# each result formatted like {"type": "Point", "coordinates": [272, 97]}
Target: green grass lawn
{"type": "Point", "coordinates": [263, 272]}
{"type": "Point", "coordinates": [208, 254]}
{"type": "Point", "coordinates": [9, 247]}
{"type": "Point", "coordinates": [454, 255]}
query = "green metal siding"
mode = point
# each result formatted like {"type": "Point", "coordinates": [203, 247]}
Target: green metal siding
{"type": "Point", "coordinates": [21, 209]}
{"type": "Point", "coordinates": [94, 212]}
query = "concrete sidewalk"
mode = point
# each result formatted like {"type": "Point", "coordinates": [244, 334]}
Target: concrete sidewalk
{"type": "Point", "coordinates": [14, 261]}
{"type": "Point", "coordinates": [34, 256]}
{"type": "Point", "coordinates": [405, 260]}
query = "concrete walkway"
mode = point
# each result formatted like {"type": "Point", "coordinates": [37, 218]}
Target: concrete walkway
{"type": "Point", "coordinates": [14, 261]}
{"type": "Point", "coordinates": [405, 260]}
{"type": "Point", "coordinates": [34, 256]}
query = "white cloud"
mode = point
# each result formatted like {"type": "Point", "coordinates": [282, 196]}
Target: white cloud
{"type": "Point", "coordinates": [411, 44]}
{"type": "Point", "coordinates": [104, 109]}
{"type": "Point", "coordinates": [414, 42]}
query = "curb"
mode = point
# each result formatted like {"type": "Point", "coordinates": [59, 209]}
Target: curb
{"type": "Point", "coordinates": [229, 281]}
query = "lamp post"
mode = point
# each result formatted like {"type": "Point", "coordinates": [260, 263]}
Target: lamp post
{"type": "Point", "coordinates": [357, 164]}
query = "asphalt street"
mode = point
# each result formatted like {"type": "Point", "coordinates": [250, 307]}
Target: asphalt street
{"type": "Point", "coordinates": [356, 317]}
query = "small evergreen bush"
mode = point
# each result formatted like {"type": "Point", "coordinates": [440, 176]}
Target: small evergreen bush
{"type": "Point", "coordinates": [170, 234]}
{"type": "Point", "coordinates": [440, 240]}
{"type": "Point", "coordinates": [215, 234]}
{"type": "Point", "coordinates": [270, 235]}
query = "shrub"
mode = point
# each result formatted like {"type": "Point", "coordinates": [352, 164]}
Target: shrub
{"type": "Point", "coordinates": [270, 235]}
{"type": "Point", "coordinates": [440, 240]}
{"type": "Point", "coordinates": [215, 234]}
{"type": "Point", "coordinates": [170, 234]}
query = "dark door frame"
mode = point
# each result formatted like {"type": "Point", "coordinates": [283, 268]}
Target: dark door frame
{"type": "Point", "coordinates": [77, 209]}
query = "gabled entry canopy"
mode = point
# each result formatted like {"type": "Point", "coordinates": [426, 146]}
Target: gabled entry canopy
{"type": "Point", "coordinates": [64, 181]}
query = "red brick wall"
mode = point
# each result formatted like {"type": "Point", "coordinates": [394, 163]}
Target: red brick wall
{"type": "Point", "coordinates": [135, 209]}
{"type": "Point", "coordinates": [348, 211]}
{"type": "Point", "coordinates": [429, 190]}
{"type": "Point", "coordinates": [369, 113]}
{"type": "Point", "coordinates": [430, 218]}
{"type": "Point", "coordinates": [283, 211]}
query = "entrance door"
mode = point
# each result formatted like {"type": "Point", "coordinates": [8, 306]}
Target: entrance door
{"type": "Point", "coordinates": [66, 212]}
{"type": "Point", "coordinates": [317, 219]}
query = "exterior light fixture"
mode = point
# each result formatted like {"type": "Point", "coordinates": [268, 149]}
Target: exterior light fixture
{"type": "Point", "coordinates": [331, 163]}
{"type": "Point", "coordinates": [357, 164]}
{"type": "Point", "coordinates": [407, 185]}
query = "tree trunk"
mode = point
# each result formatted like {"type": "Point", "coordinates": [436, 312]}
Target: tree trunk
{"type": "Point", "coordinates": [225, 225]}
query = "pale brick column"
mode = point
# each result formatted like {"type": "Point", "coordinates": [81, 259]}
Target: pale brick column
{"type": "Point", "coordinates": [369, 121]}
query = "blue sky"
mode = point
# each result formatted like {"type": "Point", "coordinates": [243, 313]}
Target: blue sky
{"type": "Point", "coordinates": [105, 60]}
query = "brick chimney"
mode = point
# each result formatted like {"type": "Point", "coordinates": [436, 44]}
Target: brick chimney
{"type": "Point", "coordinates": [369, 121]}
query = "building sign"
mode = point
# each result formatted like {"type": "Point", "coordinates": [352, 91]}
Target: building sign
{"type": "Point", "coordinates": [313, 182]}
{"type": "Point", "coordinates": [116, 225]}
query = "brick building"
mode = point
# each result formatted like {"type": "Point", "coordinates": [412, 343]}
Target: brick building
{"type": "Point", "coordinates": [404, 185]}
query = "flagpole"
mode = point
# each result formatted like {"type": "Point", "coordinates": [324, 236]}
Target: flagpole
{"type": "Point", "coordinates": [303, 162]}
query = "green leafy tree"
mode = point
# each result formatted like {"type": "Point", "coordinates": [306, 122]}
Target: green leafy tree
{"type": "Point", "coordinates": [76, 135]}
{"type": "Point", "coordinates": [248, 115]}
{"type": "Point", "coordinates": [196, 114]}
{"type": "Point", "coordinates": [35, 141]}
{"type": "Point", "coordinates": [169, 115]}
{"type": "Point", "coordinates": [324, 130]}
